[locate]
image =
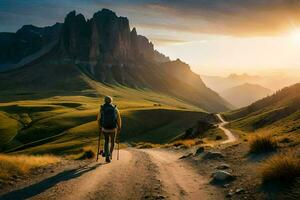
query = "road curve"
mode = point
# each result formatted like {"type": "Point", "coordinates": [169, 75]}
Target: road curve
{"type": "Point", "coordinates": [228, 133]}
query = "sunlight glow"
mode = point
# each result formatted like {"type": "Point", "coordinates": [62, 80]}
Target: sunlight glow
{"type": "Point", "coordinates": [295, 36]}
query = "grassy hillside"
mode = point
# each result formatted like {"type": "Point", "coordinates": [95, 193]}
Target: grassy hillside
{"type": "Point", "coordinates": [62, 124]}
{"type": "Point", "coordinates": [278, 114]}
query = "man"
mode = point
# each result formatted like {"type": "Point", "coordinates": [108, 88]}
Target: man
{"type": "Point", "coordinates": [109, 121]}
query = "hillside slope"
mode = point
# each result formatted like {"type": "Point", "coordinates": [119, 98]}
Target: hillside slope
{"type": "Point", "coordinates": [105, 50]}
{"type": "Point", "coordinates": [278, 113]}
{"type": "Point", "coordinates": [245, 94]}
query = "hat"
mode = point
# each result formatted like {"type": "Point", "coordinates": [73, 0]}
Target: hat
{"type": "Point", "coordinates": [108, 99]}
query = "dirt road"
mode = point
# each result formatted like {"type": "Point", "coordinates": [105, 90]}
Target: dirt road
{"type": "Point", "coordinates": [228, 133]}
{"type": "Point", "coordinates": [139, 174]}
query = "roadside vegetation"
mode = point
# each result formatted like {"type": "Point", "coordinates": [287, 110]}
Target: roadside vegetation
{"type": "Point", "coordinates": [88, 152]}
{"type": "Point", "coordinates": [18, 165]}
{"type": "Point", "coordinates": [281, 168]}
{"type": "Point", "coordinates": [262, 143]}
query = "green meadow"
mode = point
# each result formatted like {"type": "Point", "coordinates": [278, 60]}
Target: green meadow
{"type": "Point", "coordinates": [64, 124]}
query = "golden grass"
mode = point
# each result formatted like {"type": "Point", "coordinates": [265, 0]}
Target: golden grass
{"type": "Point", "coordinates": [22, 164]}
{"type": "Point", "coordinates": [88, 152]}
{"type": "Point", "coordinates": [262, 143]}
{"type": "Point", "coordinates": [282, 168]}
{"type": "Point", "coordinates": [146, 145]}
{"type": "Point", "coordinates": [183, 143]}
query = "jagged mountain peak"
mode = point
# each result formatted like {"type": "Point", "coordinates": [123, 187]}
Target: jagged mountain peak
{"type": "Point", "coordinates": [105, 49]}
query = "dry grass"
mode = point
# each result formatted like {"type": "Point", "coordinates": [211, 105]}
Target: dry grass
{"type": "Point", "coordinates": [146, 145]}
{"type": "Point", "coordinates": [22, 164]}
{"type": "Point", "coordinates": [262, 143]}
{"type": "Point", "coordinates": [283, 168]}
{"type": "Point", "coordinates": [183, 143]}
{"type": "Point", "coordinates": [88, 152]}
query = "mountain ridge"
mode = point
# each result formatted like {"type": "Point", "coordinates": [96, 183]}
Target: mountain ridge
{"type": "Point", "coordinates": [245, 94]}
{"type": "Point", "coordinates": [279, 111]}
{"type": "Point", "coordinates": [106, 50]}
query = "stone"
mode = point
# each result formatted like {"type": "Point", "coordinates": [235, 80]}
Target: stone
{"type": "Point", "coordinates": [221, 177]}
{"type": "Point", "coordinates": [223, 166]}
{"type": "Point", "coordinates": [239, 191]}
{"type": "Point", "coordinates": [186, 156]}
{"type": "Point", "coordinates": [211, 155]}
{"type": "Point", "coordinates": [199, 150]}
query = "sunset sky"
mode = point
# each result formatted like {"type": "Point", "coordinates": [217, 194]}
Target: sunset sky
{"type": "Point", "coordinates": [215, 37]}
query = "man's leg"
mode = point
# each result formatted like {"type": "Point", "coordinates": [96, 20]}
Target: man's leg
{"type": "Point", "coordinates": [112, 140]}
{"type": "Point", "coordinates": [106, 145]}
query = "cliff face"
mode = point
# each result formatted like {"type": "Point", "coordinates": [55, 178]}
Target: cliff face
{"type": "Point", "coordinates": [105, 38]}
{"type": "Point", "coordinates": [105, 49]}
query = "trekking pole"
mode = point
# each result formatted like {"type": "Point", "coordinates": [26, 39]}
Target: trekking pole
{"type": "Point", "coordinates": [99, 143]}
{"type": "Point", "coordinates": [118, 145]}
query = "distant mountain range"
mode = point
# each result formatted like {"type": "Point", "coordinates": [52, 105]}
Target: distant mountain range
{"type": "Point", "coordinates": [272, 82]}
{"type": "Point", "coordinates": [245, 94]}
{"type": "Point", "coordinates": [73, 57]}
{"type": "Point", "coordinates": [278, 113]}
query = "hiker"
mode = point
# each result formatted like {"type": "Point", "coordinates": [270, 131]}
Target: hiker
{"type": "Point", "coordinates": [109, 121]}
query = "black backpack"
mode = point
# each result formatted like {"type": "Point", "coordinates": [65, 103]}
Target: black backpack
{"type": "Point", "coordinates": [108, 116]}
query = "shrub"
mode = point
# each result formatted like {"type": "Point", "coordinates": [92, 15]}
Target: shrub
{"type": "Point", "coordinates": [262, 144]}
{"type": "Point", "coordinates": [283, 168]}
{"type": "Point", "coordinates": [218, 137]}
{"type": "Point", "coordinates": [184, 143]}
{"type": "Point", "coordinates": [22, 164]}
{"type": "Point", "coordinates": [88, 153]}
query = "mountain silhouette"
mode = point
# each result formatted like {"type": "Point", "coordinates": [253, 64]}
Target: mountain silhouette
{"type": "Point", "coordinates": [245, 94]}
{"type": "Point", "coordinates": [105, 50]}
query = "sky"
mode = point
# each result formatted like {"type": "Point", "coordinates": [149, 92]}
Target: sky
{"type": "Point", "coordinates": [216, 37]}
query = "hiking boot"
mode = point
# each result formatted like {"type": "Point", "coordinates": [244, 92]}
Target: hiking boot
{"type": "Point", "coordinates": [107, 160]}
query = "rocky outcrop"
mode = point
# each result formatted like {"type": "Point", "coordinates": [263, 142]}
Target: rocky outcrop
{"type": "Point", "coordinates": [75, 36]}
{"type": "Point", "coordinates": [107, 50]}
{"type": "Point", "coordinates": [105, 39]}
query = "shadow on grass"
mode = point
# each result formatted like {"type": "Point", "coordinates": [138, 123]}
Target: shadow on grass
{"type": "Point", "coordinates": [37, 188]}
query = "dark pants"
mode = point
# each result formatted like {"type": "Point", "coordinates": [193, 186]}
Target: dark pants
{"type": "Point", "coordinates": [108, 150]}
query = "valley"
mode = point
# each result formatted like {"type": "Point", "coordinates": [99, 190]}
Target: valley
{"type": "Point", "coordinates": [184, 136]}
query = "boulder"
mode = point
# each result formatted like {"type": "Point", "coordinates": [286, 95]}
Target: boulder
{"type": "Point", "coordinates": [223, 166]}
{"type": "Point", "coordinates": [211, 155]}
{"type": "Point", "coordinates": [186, 155]}
{"type": "Point", "coordinates": [221, 177]}
{"type": "Point", "coordinates": [199, 150]}
{"type": "Point", "coordinates": [239, 191]}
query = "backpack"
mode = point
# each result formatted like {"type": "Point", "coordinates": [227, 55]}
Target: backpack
{"type": "Point", "coordinates": [108, 116]}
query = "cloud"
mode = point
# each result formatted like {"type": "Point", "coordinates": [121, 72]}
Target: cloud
{"type": "Point", "coordinates": [225, 17]}
{"type": "Point", "coordinates": [229, 17]}
{"type": "Point", "coordinates": [167, 41]}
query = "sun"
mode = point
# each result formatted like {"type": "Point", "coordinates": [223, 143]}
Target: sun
{"type": "Point", "coordinates": [295, 36]}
